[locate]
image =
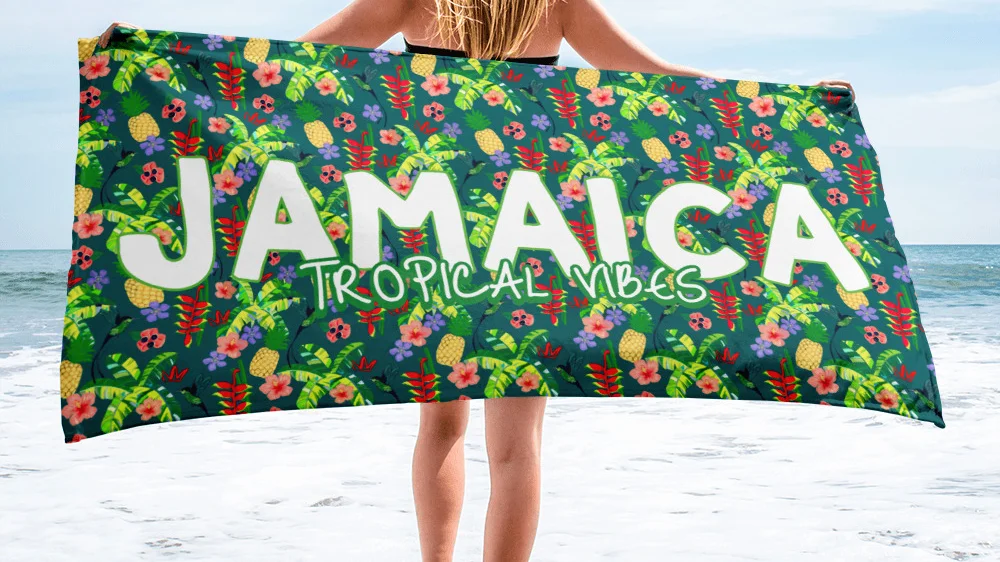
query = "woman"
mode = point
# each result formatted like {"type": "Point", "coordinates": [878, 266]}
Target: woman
{"type": "Point", "coordinates": [531, 31]}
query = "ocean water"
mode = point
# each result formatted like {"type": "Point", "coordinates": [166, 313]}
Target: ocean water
{"type": "Point", "coordinates": [630, 480]}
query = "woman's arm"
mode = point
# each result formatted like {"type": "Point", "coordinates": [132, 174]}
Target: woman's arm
{"type": "Point", "coordinates": [593, 33]}
{"type": "Point", "coordinates": [363, 23]}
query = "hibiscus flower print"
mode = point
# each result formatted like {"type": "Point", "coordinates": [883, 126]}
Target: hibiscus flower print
{"type": "Point", "coordinates": [601, 97]}
{"type": "Point", "coordinates": [464, 375]}
{"type": "Point", "coordinates": [414, 333]}
{"type": "Point", "coordinates": [96, 67]}
{"type": "Point", "coordinates": [645, 372]}
{"type": "Point", "coordinates": [267, 74]}
{"type": "Point", "coordinates": [276, 386]}
{"type": "Point", "coordinates": [436, 85]}
{"type": "Point", "coordinates": [763, 107]}
{"type": "Point", "coordinates": [597, 325]}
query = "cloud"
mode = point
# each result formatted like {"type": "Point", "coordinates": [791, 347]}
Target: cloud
{"type": "Point", "coordinates": [961, 116]}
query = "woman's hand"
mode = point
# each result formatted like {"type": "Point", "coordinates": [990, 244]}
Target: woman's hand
{"type": "Point", "coordinates": [838, 84]}
{"type": "Point", "coordinates": [106, 36]}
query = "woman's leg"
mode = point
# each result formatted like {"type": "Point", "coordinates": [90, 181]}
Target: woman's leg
{"type": "Point", "coordinates": [513, 443]}
{"type": "Point", "coordinates": [439, 476]}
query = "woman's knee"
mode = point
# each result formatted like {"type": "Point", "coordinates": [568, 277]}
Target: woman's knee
{"type": "Point", "coordinates": [444, 421]}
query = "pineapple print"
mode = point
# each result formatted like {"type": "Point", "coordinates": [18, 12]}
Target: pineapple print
{"type": "Point", "coordinates": [81, 199]}
{"type": "Point", "coordinates": [854, 300]}
{"type": "Point", "coordinates": [654, 147]}
{"type": "Point", "coordinates": [85, 48]}
{"type": "Point", "coordinates": [488, 140]}
{"type": "Point", "coordinates": [810, 351]}
{"type": "Point", "coordinates": [256, 50]}
{"type": "Point", "coordinates": [265, 361]}
{"type": "Point", "coordinates": [423, 64]}
{"type": "Point", "coordinates": [316, 131]}
{"type": "Point", "coordinates": [141, 294]}
{"type": "Point", "coordinates": [140, 124]}
{"type": "Point", "coordinates": [79, 350]}
{"type": "Point", "coordinates": [452, 346]}
{"type": "Point", "coordinates": [588, 78]}
{"type": "Point", "coordinates": [815, 155]}
{"type": "Point", "coordinates": [747, 89]}
{"type": "Point", "coordinates": [769, 214]}
{"type": "Point", "coordinates": [633, 343]}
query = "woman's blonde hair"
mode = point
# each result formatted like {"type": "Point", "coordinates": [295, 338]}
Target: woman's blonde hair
{"type": "Point", "coordinates": [488, 29]}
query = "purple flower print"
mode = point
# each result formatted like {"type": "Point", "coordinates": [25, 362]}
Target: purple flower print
{"type": "Point", "coordinates": [585, 340]}
{"type": "Point", "coordinates": [619, 138]}
{"type": "Point", "coordinates": [564, 201]}
{"type": "Point", "coordinates": [373, 112]}
{"type": "Point", "coordinates": [379, 56]}
{"type": "Point", "coordinates": [151, 144]}
{"type": "Point", "coordinates": [218, 196]}
{"type": "Point", "coordinates": [98, 279]}
{"type": "Point", "coordinates": [156, 311]}
{"type": "Point", "coordinates": [706, 83]}
{"type": "Point", "coordinates": [790, 325]}
{"type": "Point", "coordinates": [544, 71]}
{"type": "Point", "coordinates": [540, 121]}
{"type": "Point", "coordinates": [901, 273]}
{"type": "Point", "coordinates": [246, 170]}
{"type": "Point", "coordinates": [401, 350]}
{"type": "Point", "coordinates": [329, 151]}
{"type": "Point", "coordinates": [733, 211]}
{"type": "Point", "coordinates": [281, 121]}
{"type": "Point", "coordinates": [287, 273]}
{"type": "Point", "coordinates": [203, 101]}
{"type": "Point", "coordinates": [762, 348]}
{"type": "Point", "coordinates": [214, 360]}
{"type": "Point", "coordinates": [862, 141]}
{"type": "Point", "coordinates": [500, 158]}
{"type": "Point", "coordinates": [615, 316]}
{"type": "Point", "coordinates": [668, 166]}
{"type": "Point", "coordinates": [867, 313]}
{"type": "Point", "coordinates": [251, 333]}
{"type": "Point", "coordinates": [452, 130]}
{"type": "Point", "coordinates": [812, 281]}
{"type": "Point", "coordinates": [705, 131]}
{"type": "Point", "coordinates": [642, 271]}
{"type": "Point", "coordinates": [758, 191]}
{"type": "Point", "coordinates": [434, 321]}
{"type": "Point", "coordinates": [213, 42]}
{"type": "Point", "coordinates": [782, 148]}
{"type": "Point", "coordinates": [831, 175]}
{"type": "Point", "coordinates": [387, 253]}
{"type": "Point", "coordinates": [105, 116]}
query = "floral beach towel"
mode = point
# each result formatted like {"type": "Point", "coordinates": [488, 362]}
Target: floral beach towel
{"type": "Point", "coordinates": [266, 225]}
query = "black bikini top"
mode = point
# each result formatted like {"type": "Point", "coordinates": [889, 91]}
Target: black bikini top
{"type": "Point", "coordinates": [424, 50]}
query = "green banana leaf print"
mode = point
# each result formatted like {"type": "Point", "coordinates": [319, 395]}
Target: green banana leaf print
{"type": "Point", "coordinates": [265, 225]}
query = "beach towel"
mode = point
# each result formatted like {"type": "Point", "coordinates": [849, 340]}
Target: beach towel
{"type": "Point", "coordinates": [264, 225]}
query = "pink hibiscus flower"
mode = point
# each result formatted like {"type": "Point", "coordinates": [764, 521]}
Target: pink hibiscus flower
{"type": "Point", "coordinates": [326, 87]}
{"type": "Point", "coordinates": [225, 289]}
{"type": "Point", "coordinates": [630, 228]}
{"type": "Point", "coordinates": [150, 408]}
{"type": "Point", "coordinates": [771, 332]}
{"type": "Point", "coordinates": [227, 182]}
{"type": "Point", "coordinates": [494, 97]}
{"type": "Point", "coordinates": [231, 345]}
{"type": "Point", "coordinates": [79, 407]}
{"type": "Point", "coordinates": [401, 184]}
{"type": "Point", "coordinates": [645, 372]}
{"type": "Point", "coordinates": [464, 374]}
{"type": "Point", "coordinates": [725, 153]}
{"type": "Point", "coordinates": [390, 137]}
{"type": "Point", "coordinates": [268, 74]}
{"type": "Point", "coordinates": [218, 124]}
{"type": "Point", "coordinates": [824, 380]}
{"type": "Point", "coordinates": [343, 392]}
{"type": "Point", "coordinates": [601, 97]}
{"type": "Point", "coordinates": [574, 190]}
{"type": "Point", "coordinates": [276, 386]}
{"type": "Point", "coordinates": [166, 237]}
{"type": "Point", "coordinates": [598, 325]}
{"type": "Point", "coordinates": [436, 85]}
{"type": "Point", "coordinates": [742, 199]}
{"type": "Point", "coordinates": [528, 382]}
{"type": "Point", "coordinates": [414, 332]}
{"type": "Point", "coordinates": [336, 230]}
{"type": "Point", "coordinates": [888, 399]}
{"type": "Point", "coordinates": [763, 107]}
{"type": "Point", "coordinates": [659, 109]}
{"type": "Point", "coordinates": [88, 225]}
{"type": "Point", "coordinates": [817, 119]}
{"type": "Point", "coordinates": [95, 67]}
{"type": "Point", "coordinates": [752, 288]}
{"type": "Point", "coordinates": [158, 73]}
{"type": "Point", "coordinates": [708, 385]}
{"type": "Point", "coordinates": [685, 239]}
{"type": "Point", "coordinates": [559, 144]}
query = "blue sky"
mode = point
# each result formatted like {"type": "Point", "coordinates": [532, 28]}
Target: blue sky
{"type": "Point", "coordinates": [926, 72]}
